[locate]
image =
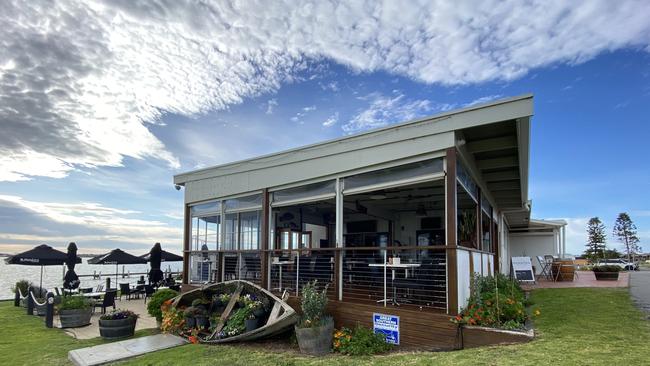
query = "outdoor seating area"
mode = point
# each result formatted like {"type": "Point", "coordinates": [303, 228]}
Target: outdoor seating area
{"type": "Point", "coordinates": [557, 269]}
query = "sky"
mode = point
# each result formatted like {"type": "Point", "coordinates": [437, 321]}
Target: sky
{"type": "Point", "coordinates": [101, 103]}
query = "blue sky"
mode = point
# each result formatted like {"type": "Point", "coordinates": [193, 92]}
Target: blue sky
{"type": "Point", "coordinates": [126, 95]}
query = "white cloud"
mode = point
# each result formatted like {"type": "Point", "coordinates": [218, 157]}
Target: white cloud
{"type": "Point", "coordinates": [331, 120]}
{"type": "Point", "coordinates": [384, 110]}
{"type": "Point", "coordinates": [82, 82]}
{"type": "Point", "coordinates": [270, 105]}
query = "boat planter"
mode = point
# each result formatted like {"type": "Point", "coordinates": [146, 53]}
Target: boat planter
{"type": "Point", "coordinates": [190, 322]}
{"type": "Point", "coordinates": [251, 324]}
{"type": "Point", "coordinates": [606, 276]}
{"type": "Point", "coordinates": [74, 318]}
{"type": "Point", "coordinates": [316, 341]}
{"type": "Point", "coordinates": [118, 328]}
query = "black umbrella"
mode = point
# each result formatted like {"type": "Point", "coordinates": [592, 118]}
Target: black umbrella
{"type": "Point", "coordinates": [42, 255]}
{"type": "Point", "coordinates": [155, 274]}
{"type": "Point", "coordinates": [117, 257]}
{"type": "Point", "coordinates": [71, 280]}
{"type": "Point", "coordinates": [165, 256]}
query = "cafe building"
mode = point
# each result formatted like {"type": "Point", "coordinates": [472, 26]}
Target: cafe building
{"type": "Point", "coordinates": [393, 221]}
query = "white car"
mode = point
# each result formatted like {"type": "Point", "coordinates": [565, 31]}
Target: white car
{"type": "Point", "coordinates": [625, 265]}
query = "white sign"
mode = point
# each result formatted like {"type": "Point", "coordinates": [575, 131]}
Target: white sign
{"type": "Point", "coordinates": [523, 269]}
{"type": "Point", "coordinates": [388, 325]}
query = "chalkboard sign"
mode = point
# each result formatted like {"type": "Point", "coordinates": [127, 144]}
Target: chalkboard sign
{"type": "Point", "coordinates": [523, 269]}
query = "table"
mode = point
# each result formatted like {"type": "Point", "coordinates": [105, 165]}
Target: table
{"type": "Point", "coordinates": [93, 295]}
{"type": "Point", "coordinates": [280, 263]}
{"type": "Point", "coordinates": [392, 267]}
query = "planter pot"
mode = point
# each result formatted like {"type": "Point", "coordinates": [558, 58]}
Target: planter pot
{"type": "Point", "coordinates": [40, 309]}
{"type": "Point", "coordinates": [259, 312]}
{"type": "Point", "coordinates": [606, 276]}
{"type": "Point", "coordinates": [190, 322]}
{"type": "Point", "coordinates": [74, 318]}
{"type": "Point", "coordinates": [120, 328]}
{"type": "Point", "coordinates": [214, 323]}
{"type": "Point", "coordinates": [316, 341]}
{"type": "Point", "coordinates": [251, 324]}
{"type": "Point", "coordinates": [202, 321]}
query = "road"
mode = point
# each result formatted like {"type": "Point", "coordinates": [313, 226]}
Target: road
{"type": "Point", "coordinates": [640, 290]}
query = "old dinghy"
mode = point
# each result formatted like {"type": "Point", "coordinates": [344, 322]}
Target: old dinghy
{"type": "Point", "coordinates": [238, 311]}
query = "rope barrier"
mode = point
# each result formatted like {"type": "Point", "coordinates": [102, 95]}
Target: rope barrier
{"type": "Point", "coordinates": [35, 301]}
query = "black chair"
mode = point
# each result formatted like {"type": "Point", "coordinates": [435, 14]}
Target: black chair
{"type": "Point", "coordinates": [148, 291]}
{"type": "Point", "coordinates": [125, 289]}
{"type": "Point", "coordinates": [108, 300]}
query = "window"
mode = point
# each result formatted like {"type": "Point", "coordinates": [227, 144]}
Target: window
{"type": "Point", "coordinates": [244, 203]}
{"type": "Point", "coordinates": [309, 192]}
{"type": "Point", "coordinates": [394, 174]}
{"type": "Point", "coordinates": [231, 222]}
{"type": "Point", "coordinates": [249, 236]}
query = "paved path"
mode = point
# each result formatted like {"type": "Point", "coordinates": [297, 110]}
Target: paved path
{"type": "Point", "coordinates": [116, 351]}
{"type": "Point", "coordinates": [640, 290]}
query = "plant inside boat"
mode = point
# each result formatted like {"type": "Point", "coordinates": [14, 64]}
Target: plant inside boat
{"type": "Point", "coordinates": [193, 315]}
{"type": "Point", "coordinates": [236, 322]}
{"type": "Point", "coordinates": [314, 331]}
{"type": "Point", "coordinates": [157, 300]}
{"type": "Point", "coordinates": [173, 319]}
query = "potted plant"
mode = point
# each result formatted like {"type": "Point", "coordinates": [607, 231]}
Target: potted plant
{"type": "Point", "coordinates": [315, 329]}
{"type": "Point", "coordinates": [236, 323]}
{"type": "Point", "coordinates": [21, 285]}
{"type": "Point", "coordinates": [214, 320]}
{"type": "Point", "coordinates": [190, 320]}
{"type": "Point", "coordinates": [117, 324]}
{"type": "Point", "coordinates": [201, 318]}
{"type": "Point", "coordinates": [74, 311]}
{"type": "Point", "coordinates": [252, 322]}
{"type": "Point", "coordinates": [467, 228]}
{"type": "Point", "coordinates": [157, 300]}
{"type": "Point", "coordinates": [606, 272]}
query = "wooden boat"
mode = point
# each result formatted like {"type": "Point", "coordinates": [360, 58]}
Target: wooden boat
{"type": "Point", "coordinates": [279, 315]}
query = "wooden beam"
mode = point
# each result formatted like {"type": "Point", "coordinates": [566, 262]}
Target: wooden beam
{"type": "Point", "coordinates": [492, 144]}
{"type": "Point", "coordinates": [264, 227]}
{"type": "Point", "coordinates": [231, 304]}
{"type": "Point", "coordinates": [452, 275]}
{"type": "Point", "coordinates": [498, 163]}
{"type": "Point", "coordinates": [501, 176]}
{"type": "Point", "coordinates": [504, 185]}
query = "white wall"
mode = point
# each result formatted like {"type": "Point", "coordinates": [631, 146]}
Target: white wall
{"type": "Point", "coordinates": [532, 245]}
{"type": "Point", "coordinates": [462, 266]}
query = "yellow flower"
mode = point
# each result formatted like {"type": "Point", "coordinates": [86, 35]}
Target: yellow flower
{"type": "Point", "coordinates": [537, 312]}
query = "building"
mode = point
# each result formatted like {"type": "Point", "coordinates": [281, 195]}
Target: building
{"type": "Point", "coordinates": [438, 199]}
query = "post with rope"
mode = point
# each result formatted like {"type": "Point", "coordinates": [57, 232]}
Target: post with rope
{"type": "Point", "coordinates": [30, 301]}
{"type": "Point", "coordinates": [49, 310]}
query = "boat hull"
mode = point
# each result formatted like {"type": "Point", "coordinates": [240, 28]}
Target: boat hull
{"type": "Point", "coordinates": [282, 317]}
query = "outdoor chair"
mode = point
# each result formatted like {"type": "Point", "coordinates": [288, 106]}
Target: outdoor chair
{"type": "Point", "coordinates": [148, 292]}
{"type": "Point", "coordinates": [545, 266]}
{"type": "Point", "coordinates": [99, 288]}
{"type": "Point", "coordinates": [108, 300]}
{"type": "Point", "coordinates": [56, 290]}
{"type": "Point", "coordinates": [125, 290]}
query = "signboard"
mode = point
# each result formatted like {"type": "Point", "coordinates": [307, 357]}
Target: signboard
{"type": "Point", "coordinates": [388, 325]}
{"type": "Point", "coordinates": [523, 269]}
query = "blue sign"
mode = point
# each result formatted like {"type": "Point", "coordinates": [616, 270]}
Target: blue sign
{"type": "Point", "coordinates": [388, 325]}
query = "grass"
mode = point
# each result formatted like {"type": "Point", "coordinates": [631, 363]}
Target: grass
{"type": "Point", "coordinates": [596, 326]}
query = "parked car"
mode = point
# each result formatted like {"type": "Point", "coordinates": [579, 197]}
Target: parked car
{"type": "Point", "coordinates": [625, 265]}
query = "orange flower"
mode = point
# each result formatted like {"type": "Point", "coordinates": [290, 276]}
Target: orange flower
{"type": "Point", "coordinates": [193, 339]}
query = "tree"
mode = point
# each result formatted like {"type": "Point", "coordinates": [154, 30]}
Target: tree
{"type": "Point", "coordinates": [611, 253]}
{"type": "Point", "coordinates": [625, 232]}
{"type": "Point", "coordinates": [596, 239]}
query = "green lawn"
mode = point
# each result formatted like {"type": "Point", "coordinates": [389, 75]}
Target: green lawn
{"type": "Point", "coordinates": [577, 327]}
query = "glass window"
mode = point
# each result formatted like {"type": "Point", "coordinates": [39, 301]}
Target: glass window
{"type": "Point", "coordinates": [205, 208]}
{"type": "Point", "coordinates": [206, 232]}
{"type": "Point", "coordinates": [242, 203]}
{"type": "Point", "coordinates": [230, 223]}
{"type": "Point", "coordinates": [250, 230]}
{"type": "Point", "coordinates": [305, 192]}
{"type": "Point", "coordinates": [466, 180]}
{"type": "Point", "coordinates": [397, 173]}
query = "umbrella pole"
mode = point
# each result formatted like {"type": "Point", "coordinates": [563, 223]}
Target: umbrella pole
{"type": "Point", "coordinates": [117, 265]}
{"type": "Point", "coordinates": [41, 285]}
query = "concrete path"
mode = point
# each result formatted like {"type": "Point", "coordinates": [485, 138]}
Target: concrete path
{"type": "Point", "coordinates": [117, 351]}
{"type": "Point", "coordinates": [640, 290]}
{"type": "Point", "coordinates": [145, 321]}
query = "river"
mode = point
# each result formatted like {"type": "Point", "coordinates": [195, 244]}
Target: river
{"type": "Point", "coordinates": [53, 275]}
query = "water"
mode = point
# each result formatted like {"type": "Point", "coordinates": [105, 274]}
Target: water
{"type": "Point", "coordinates": [53, 275]}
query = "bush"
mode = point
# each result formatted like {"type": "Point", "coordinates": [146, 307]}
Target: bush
{"type": "Point", "coordinates": [119, 314]}
{"type": "Point", "coordinates": [74, 303]}
{"type": "Point", "coordinates": [158, 298]}
{"type": "Point", "coordinates": [360, 342]}
{"type": "Point", "coordinates": [495, 302]}
{"type": "Point", "coordinates": [313, 305]}
{"type": "Point", "coordinates": [607, 268]}
{"type": "Point", "coordinates": [22, 285]}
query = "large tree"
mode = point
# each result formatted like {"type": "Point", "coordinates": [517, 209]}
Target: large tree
{"type": "Point", "coordinates": [625, 232]}
{"type": "Point", "coordinates": [596, 239]}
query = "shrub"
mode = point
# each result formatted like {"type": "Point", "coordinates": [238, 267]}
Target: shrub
{"type": "Point", "coordinates": [360, 342]}
{"type": "Point", "coordinates": [607, 268]}
{"type": "Point", "coordinates": [119, 314]}
{"type": "Point", "coordinates": [237, 322]}
{"type": "Point", "coordinates": [74, 303]}
{"type": "Point", "coordinates": [313, 305]}
{"type": "Point", "coordinates": [22, 285]}
{"type": "Point", "coordinates": [157, 300]}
